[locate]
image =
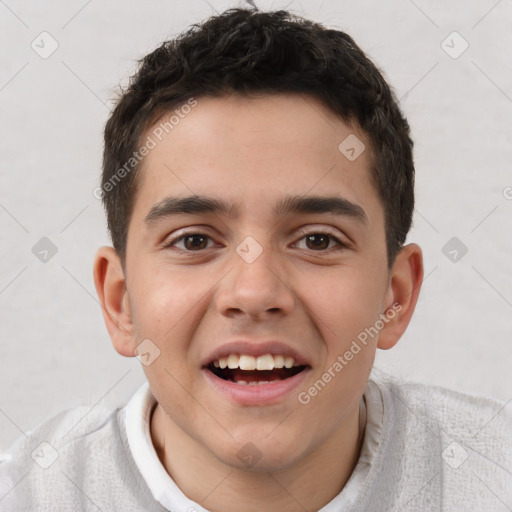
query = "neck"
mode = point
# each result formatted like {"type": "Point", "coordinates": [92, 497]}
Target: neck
{"type": "Point", "coordinates": [308, 484]}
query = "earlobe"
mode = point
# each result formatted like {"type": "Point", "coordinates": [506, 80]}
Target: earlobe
{"type": "Point", "coordinates": [111, 288]}
{"type": "Point", "coordinates": [402, 295]}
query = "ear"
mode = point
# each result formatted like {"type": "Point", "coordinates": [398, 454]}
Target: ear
{"type": "Point", "coordinates": [111, 288]}
{"type": "Point", "coordinates": [406, 277]}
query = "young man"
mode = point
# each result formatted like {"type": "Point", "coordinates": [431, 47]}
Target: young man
{"type": "Point", "coordinates": [258, 182]}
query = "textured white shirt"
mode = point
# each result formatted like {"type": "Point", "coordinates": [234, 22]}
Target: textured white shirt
{"type": "Point", "coordinates": [166, 492]}
{"type": "Point", "coordinates": [426, 449]}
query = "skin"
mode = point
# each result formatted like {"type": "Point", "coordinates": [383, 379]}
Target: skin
{"type": "Point", "coordinates": [251, 152]}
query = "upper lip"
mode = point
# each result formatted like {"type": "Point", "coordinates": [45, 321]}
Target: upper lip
{"type": "Point", "coordinates": [255, 348]}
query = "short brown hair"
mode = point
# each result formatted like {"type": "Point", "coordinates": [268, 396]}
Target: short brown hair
{"type": "Point", "coordinates": [247, 50]}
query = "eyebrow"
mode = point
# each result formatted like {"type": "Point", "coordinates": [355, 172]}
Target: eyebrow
{"type": "Point", "coordinates": [171, 206]}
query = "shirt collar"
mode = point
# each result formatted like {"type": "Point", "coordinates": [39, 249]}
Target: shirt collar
{"type": "Point", "coordinates": [163, 488]}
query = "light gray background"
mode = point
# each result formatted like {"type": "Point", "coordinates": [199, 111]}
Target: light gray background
{"type": "Point", "coordinates": [55, 352]}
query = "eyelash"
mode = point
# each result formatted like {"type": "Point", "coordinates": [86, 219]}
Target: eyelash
{"type": "Point", "coordinates": [341, 245]}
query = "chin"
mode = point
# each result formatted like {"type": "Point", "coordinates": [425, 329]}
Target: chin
{"type": "Point", "coordinates": [261, 455]}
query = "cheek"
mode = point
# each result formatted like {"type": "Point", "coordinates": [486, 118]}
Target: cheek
{"type": "Point", "coordinates": [170, 307]}
{"type": "Point", "coordinates": [351, 306]}
{"type": "Point", "coordinates": [164, 299]}
{"type": "Point", "coordinates": [345, 302]}
{"type": "Point", "coordinates": [166, 313]}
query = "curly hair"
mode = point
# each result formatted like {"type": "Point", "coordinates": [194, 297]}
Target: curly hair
{"type": "Point", "coordinates": [245, 50]}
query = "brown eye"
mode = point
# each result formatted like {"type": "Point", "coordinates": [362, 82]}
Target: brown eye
{"type": "Point", "coordinates": [321, 242]}
{"type": "Point", "coordinates": [318, 241]}
{"type": "Point", "coordinates": [192, 242]}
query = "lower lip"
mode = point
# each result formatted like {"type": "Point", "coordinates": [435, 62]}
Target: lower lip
{"type": "Point", "coordinates": [258, 394]}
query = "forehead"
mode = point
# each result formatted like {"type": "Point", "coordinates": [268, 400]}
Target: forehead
{"type": "Point", "coordinates": [255, 151]}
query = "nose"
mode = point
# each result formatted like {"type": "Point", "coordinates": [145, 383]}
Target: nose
{"type": "Point", "coordinates": [255, 288]}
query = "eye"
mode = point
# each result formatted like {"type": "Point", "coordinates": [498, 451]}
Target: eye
{"type": "Point", "coordinates": [320, 241]}
{"type": "Point", "coordinates": [317, 241]}
{"type": "Point", "coordinates": [191, 242]}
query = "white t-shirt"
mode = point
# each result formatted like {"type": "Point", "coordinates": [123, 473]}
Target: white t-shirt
{"type": "Point", "coordinates": [163, 487]}
{"type": "Point", "coordinates": [425, 449]}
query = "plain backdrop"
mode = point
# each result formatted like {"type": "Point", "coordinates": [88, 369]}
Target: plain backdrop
{"type": "Point", "coordinates": [455, 89]}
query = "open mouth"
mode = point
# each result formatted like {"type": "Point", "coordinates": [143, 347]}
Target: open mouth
{"type": "Point", "coordinates": [249, 370]}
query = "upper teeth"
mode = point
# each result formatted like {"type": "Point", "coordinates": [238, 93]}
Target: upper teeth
{"type": "Point", "coordinates": [244, 362]}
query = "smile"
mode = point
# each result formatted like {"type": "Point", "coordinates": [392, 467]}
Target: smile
{"type": "Point", "coordinates": [249, 370]}
{"type": "Point", "coordinates": [250, 380]}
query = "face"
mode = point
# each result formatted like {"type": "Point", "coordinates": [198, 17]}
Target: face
{"type": "Point", "coordinates": [271, 273]}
